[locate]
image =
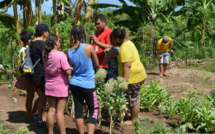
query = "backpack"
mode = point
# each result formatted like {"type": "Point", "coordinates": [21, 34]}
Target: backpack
{"type": "Point", "coordinates": [24, 63]}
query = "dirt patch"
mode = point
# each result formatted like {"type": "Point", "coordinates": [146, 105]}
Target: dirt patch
{"type": "Point", "coordinates": [180, 82]}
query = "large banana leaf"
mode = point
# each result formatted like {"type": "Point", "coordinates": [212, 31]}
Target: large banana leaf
{"type": "Point", "coordinates": [7, 20]}
{"type": "Point", "coordinates": [103, 5]}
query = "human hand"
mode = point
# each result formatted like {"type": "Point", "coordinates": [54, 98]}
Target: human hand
{"type": "Point", "coordinates": [171, 51]}
{"type": "Point", "coordinates": [93, 38]}
{"type": "Point", "coordinates": [107, 50]}
{"type": "Point", "coordinates": [159, 56]}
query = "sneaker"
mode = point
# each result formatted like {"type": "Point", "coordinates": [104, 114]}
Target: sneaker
{"type": "Point", "coordinates": [32, 118]}
{"type": "Point", "coordinates": [41, 124]}
{"type": "Point", "coordinates": [160, 75]}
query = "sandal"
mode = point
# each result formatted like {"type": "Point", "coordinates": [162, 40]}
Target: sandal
{"type": "Point", "coordinates": [128, 122]}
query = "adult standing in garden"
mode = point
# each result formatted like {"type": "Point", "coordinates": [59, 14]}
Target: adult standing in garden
{"type": "Point", "coordinates": [130, 68]}
{"type": "Point", "coordinates": [101, 39]}
{"type": "Point", "coordinates": [38, 78]}
{"type": "Point", "coordinates": [82, 84]}
{"type": "Point", "coordinates": [164, 47]}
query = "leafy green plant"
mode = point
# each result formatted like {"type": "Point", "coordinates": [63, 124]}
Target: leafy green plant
{"type": "Point", "coordinates": [116, 101]}
{"type": "Point", "coordinates": [172, 108]}
{"type": "Point", "coordinates": [153, 95]}
{"type": "Point", "coordinates": [138, 126]}
{"type": "Point", "coordinates": [4, 131]}
{"type": "Point", "coordinates": [100, 80]}
{"type": "Point", "coordinates": [161, 108]}
{"type": "Point", "coordinates": [160, 129]}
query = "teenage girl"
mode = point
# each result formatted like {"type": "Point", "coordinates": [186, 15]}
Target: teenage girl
{"type": "Point", "coordinates": [57, 69]}
{"type": "Point", "coordinates": [82, 84]}
{"type": "Point", "coordinates": [26, 37]}
{"type": "Point", "coordinates": [130, 68]}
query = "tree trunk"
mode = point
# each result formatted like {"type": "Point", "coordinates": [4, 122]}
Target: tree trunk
{"type": "Point", "coordinates": [27, 14]}
{"type": "Point", "coordinates": [16, 19]}
{"type": "Point", "coordinates": [77, 13]}
{"type": "Point", "coordinates": [38, 12]}
{"type": "Point", "coordinates": [55, 17]}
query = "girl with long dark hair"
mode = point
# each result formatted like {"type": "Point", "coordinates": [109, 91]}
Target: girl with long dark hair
{"type": "Point", "coordinates": [82, 84]}
{"type": "Point", "coordinates": [57, 69]}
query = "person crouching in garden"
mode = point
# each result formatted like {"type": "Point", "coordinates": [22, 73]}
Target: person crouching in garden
{"type": "Point", "coordinates": [164, 46]}
{"type": "Point", "coordinates": [57, 69]}
{"type": "Point", "coordinates": [82, 84]}
{"type": "Point", "coordinates": [130, 68]}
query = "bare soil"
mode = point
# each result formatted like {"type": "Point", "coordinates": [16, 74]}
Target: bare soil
{"type": "Point", "coordinates": [180, 81]}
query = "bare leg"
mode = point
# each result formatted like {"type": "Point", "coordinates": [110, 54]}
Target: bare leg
{"type": "Point", "coordinates": [40, 104]}
{"type": "Point", "coordinates": [34, 110]}
{"type": "Point", "coordinates": [135, 111]}
{"type": "Point", "coordinates": [61, 105]}
{"type": "Point", "coordinates": [29, 100]}
{"type": "Point", "coordinates": [51, 114]}
{"type": "Point", "coordinates": [90, 128]}
{"type": "Point", "coordinates": [161, 68]}
{"type": "Point", "coordinates": [165, 65]}
{"type": "Point", "coordinates": [80, 125]}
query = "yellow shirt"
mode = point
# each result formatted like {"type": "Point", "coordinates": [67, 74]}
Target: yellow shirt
{"type": "Point", "coordinates": [163, 48]}
{"type": "Point", "coordinates": [129, 53]}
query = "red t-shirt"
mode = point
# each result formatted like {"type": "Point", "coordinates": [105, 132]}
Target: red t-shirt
{"type": "Point", "coordinates": [104, 37]}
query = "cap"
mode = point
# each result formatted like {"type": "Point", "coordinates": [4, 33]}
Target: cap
{"type": "Point", "coordinates": [165, 40]}
{"type": "Point", "coordinates": [42, 28]}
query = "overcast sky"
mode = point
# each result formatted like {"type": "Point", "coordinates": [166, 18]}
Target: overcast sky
{"type": "Point", "coordinates": [47, 5]}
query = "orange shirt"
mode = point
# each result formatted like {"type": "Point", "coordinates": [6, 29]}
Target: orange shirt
{"type": "Point", "coordinates": [104, 37]}
{"type": "Point", "coordinates": [163, 48]}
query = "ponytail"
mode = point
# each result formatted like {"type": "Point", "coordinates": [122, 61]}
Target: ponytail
{"type": "Point", "coordinates": [119, 33]}
{"type": "Point", "coordinates": [49, 45]}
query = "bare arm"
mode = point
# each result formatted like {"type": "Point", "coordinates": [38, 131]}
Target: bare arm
{"type": "Point", "coordinates": [126, 70]}
{"type": "Point", "coordinates": [68, 72]}
{"type": "Point", "coordinates": [109, 56]}
{"type": "Point", "coordinates": [100, 44]}
{"type": "Point", "coordinates": [94, 57]}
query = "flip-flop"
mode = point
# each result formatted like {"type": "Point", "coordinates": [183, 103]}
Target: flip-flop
{"type": "Point", "coordinates": [127, 122]}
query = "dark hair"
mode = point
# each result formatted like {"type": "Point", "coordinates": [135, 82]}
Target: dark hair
{"type": "Point", "coordinates": [101, 17]}
{"type": "Point", "coordinates": [119, 33]}
{"type": "Point", "coordinates": [40, 29]}
{"type": "Point", "coordinates": [49, 45]}
{"type": "Point", "coordinates": [26, 36]}
{"type": "Point", "coordinates": [78, 34]}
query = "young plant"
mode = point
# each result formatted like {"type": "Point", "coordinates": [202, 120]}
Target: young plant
{"type": "Point", "coordinates": [172, 108]}
{"type": "Point", "coordinates": [100, 80]}
{"type": "Point", "coordinates": [161, 108]}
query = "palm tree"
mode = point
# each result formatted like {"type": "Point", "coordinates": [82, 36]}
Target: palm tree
{"type": "Point", "coordinates": [38, 4]}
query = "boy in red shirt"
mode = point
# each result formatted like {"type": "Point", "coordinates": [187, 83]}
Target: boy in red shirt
{"type": "Point", "coordinates": [101, 40]}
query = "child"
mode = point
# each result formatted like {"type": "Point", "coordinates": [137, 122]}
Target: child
{"type": "Point", "coordinates": [131, 68]}
{"type": "Point", "coordinates": [111, 60]}
{"type": "Point", "coordinates": [26, 37]}
{"type": "Point", "coordinates": [82, 84]}
{"type": "Point", "coordinates": [56, 82]}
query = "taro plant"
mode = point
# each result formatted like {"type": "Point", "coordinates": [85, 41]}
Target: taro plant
{"type": "Point", "coordinates": [100, 81]}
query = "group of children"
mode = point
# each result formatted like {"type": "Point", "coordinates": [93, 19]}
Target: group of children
{"type": "Point", "coordinates": [50, 78]}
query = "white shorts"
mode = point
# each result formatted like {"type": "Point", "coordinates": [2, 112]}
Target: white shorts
{"type": "Point", "coordinates": [164, 59]}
